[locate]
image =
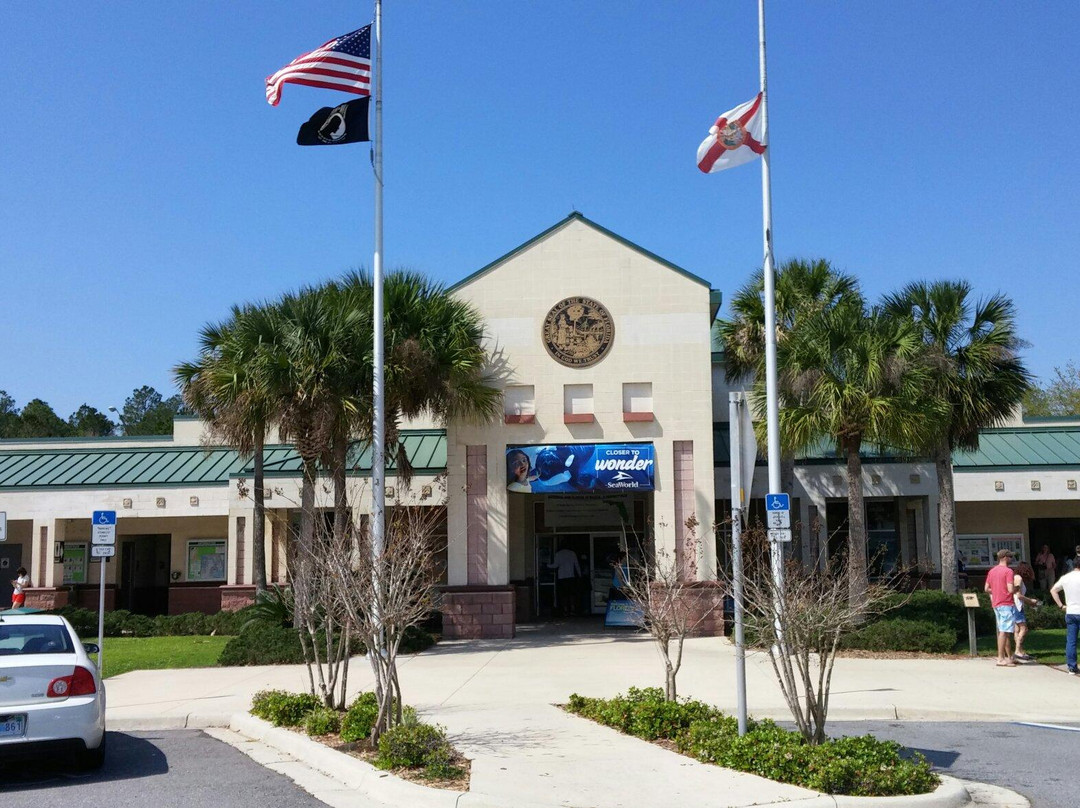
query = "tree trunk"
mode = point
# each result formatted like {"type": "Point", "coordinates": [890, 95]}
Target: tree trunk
{"type": "Point", "coordinates": [307, 504]}
{"type": "Point", "coordinates": [787, 485]}
{"type": "Point", "coordinates": [341, 503]}
{"type": "Point", "coordinates": [857, 580]}
{"type": "Point", "coordinates": [950, 579]}
{"type": "Point", "coordinates": [258, 533]}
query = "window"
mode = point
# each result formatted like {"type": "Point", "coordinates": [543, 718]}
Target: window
{"type": "Point", "coordinates": [637, 402]}
{"type": "Point", "coordinates": [578, 404]}
{"type": "Point", "coordinates": [74, 563]}
{"type": "Point", "coordinates": [206, 559]}
{"type": "Point", "coordinates": [519, 404]}
{"type": "Point", "coordinates": [24, 638]}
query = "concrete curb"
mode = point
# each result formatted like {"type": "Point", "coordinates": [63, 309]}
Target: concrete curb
{"type": "Point", "coordinates": [151, 723]}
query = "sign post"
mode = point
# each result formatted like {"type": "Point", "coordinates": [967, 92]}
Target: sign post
{"type": "Point", "coordinates": [103, 546]}
{"type": "Point", "coordinates": [743, 447]}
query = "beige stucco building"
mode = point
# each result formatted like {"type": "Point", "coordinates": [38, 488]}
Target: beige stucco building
{"type": "Point", "coordinates": [614, 434]}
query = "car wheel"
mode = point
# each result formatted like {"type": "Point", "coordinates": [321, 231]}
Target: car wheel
{"type": "Point", "coordinates": [91, 759]}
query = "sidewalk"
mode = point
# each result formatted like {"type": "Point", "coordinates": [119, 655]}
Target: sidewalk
{"type": "Point", "coordinates": [496, 701]}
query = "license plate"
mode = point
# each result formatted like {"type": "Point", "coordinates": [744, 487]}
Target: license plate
{"type": "Point", "coordinates": [12, 726]}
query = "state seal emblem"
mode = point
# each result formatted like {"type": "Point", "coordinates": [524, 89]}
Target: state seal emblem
{"type": "Point", "coordinates": [578, 332]}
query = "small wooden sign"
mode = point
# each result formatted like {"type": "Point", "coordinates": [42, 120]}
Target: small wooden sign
{"type": "Point", "coordinates": [971, 600]}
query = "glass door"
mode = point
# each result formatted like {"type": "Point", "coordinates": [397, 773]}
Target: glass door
{"type": "Point", "coordinates": [604, 549]}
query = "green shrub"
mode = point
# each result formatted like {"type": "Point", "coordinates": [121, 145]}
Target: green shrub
{"type": "Point", "coordinates": [360, 718]}
{"type": "Point", "coordinates": [138, 625]}
{"type": "Point", "coordinates": [416, 639]}
{"type": "Point", "coordinates": [322, 721]}
{"type": "Point", "coordinates": [263, 644]}
{"type": "Point", "coordinates": [283, 709]}
{"type": "Point", "coordinates": [643, 713]}
{"type": "Point", "coordinates": [413, 747]}
{"type": "Point", "coordinates": [1046, 616]}
{"type": "Point", "coordinates": [858, 766]}
{"type": "Point", "coordinates": [868, 767]}
{"type": "Point", "coordinates": [84, 621]}
{"type": "Point", "coordinates": [228, 624]}
{"type": "Point", "coordinates": [899, 634]}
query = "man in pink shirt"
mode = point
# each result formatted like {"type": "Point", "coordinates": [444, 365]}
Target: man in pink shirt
{"type": "Point", "coordinates": [999, 583]}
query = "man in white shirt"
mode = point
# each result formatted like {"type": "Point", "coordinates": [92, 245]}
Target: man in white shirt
{"type": "Point", "coordinates": [566, 580]}
{"type": "Point", "coordinates": [1069, 584]}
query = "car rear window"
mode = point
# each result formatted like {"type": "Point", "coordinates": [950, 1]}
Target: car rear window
{"type": "Point", "coordinates": [31, 639]}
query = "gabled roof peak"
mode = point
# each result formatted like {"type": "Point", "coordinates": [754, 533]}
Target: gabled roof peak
{"type": "Point", "coordinates": [577, 216]}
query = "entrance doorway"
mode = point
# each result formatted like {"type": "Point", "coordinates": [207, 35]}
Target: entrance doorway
{"type": "Point", "coordinates": [10, 561]}
{"type": "Point", "coordinates": [596, 552]}
{"type": "Point", "coordinates": [144, 574]}
{"type": "Point", "coordinates": [1061, 534]}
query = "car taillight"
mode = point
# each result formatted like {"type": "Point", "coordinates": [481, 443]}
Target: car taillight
{"type": "Point", "coordinates": [80, 683]}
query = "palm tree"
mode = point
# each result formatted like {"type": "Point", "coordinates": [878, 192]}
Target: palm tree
{"type": "Point", "coordinates": [971, 350]}
{"type": "Point", "coordinates": [857, 377]}
{"type": "Point", "coordinates": [803, 288]}
{"type": "Point", "coordinates": [230, 386]}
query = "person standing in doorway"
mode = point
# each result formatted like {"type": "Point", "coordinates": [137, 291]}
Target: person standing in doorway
{"type": "Point", "coordinates": [568, 570]}
{"type": "Point", "coordinates": [18, 588]}
{"type": "Point", "coordinates": [1069, 585]}
{"type": "Point", "coordinates": [999, 583]}
{"type": "Point", "coordinates": [1046, 567]}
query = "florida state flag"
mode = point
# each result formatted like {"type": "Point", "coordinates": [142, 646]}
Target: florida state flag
{"type": "Point", "coordinates": [734, 139]}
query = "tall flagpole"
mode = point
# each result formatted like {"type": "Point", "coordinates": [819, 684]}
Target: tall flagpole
{"type": "Point", "coordinates": [378, 430]}
{"type": "Point", "coordinates": [772, 414]}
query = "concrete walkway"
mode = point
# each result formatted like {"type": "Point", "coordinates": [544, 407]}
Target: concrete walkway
{"type": "Point", "coordinates": [496, 700]}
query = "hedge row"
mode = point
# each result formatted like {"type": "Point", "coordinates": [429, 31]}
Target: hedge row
{"type": "Point", "coordinates": [935, 622]}
{"type": "Point", "coordinates": [862, 766]}
{"type": "Point", "coordinates": [122, 623]}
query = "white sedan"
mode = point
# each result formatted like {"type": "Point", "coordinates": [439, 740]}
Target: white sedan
{"type": "Point", "coordinates": [52, 700]}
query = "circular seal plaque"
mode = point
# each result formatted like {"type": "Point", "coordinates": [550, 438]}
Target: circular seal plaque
{"type": "Point", "coordinates": [578, 332]}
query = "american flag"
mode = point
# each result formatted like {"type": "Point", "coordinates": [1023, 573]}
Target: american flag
{"type": "Point", "coordinates": [342, 64]}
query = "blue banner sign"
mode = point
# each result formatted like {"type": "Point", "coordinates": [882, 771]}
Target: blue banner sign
{"type": "Point", "coordinates": [580, 468]}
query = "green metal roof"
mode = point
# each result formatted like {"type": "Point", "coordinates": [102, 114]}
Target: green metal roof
{"type": "Point", "coordinates": [1005, 448]}
{"type": "Point", "coordinates": [1023, 447]}
{"type": "Point", "coordinates": [108, 466]}
{"type": "Point", "coordinates": [822, 453]}
{"type": "Point", "coordinates": [575, 216]}
{"type": "Point", "coordinates": [425, 448]}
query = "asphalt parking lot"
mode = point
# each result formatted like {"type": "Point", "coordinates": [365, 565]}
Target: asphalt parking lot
{"type": "Point", "coordinates": [173, 769]}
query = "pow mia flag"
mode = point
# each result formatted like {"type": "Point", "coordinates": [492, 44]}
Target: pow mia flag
{"type": "Point", "coordinates": [345, 123]}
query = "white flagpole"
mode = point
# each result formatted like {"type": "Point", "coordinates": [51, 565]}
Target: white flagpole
{"type": "Point", "coordinates": [378, 430]}
{"type": "Point", "coordinates": [772, 415]}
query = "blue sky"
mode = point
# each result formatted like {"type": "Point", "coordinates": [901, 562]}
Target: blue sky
{"type": "Point", "coordinates": [146, 185]}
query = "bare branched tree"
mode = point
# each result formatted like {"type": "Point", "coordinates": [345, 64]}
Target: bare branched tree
{"type": "Point", "coordinates": [814, 614]}
{"type": "Point", "coordinates": [669, 608]}
{"type": "Point", "coordinates": [379, 599]}
{"type": "Point", "coordinates": [318, 615]}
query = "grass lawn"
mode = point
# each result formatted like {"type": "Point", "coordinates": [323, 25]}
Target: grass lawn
{"type": "Point", "coordinates": [1047, 645]}
{"type": "Point", "coordinates": [123, 654]}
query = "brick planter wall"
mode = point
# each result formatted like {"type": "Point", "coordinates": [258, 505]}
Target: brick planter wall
{"type": "Point", "coordinates": [478, 612]}
{"type": "Point", "coordinates": [236, 597]}
{"type": "Point", "coordinates": [708, 597]}
{"type": "Point", "coordinates": [87, 595]}
{"type": "Point", "coordinates": [184, 599]}
{"type": "Point", "coordinates": [45, 597]}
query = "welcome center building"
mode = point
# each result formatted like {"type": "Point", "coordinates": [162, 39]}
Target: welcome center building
{"type": "Point", "coordinates": [614, 424]}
